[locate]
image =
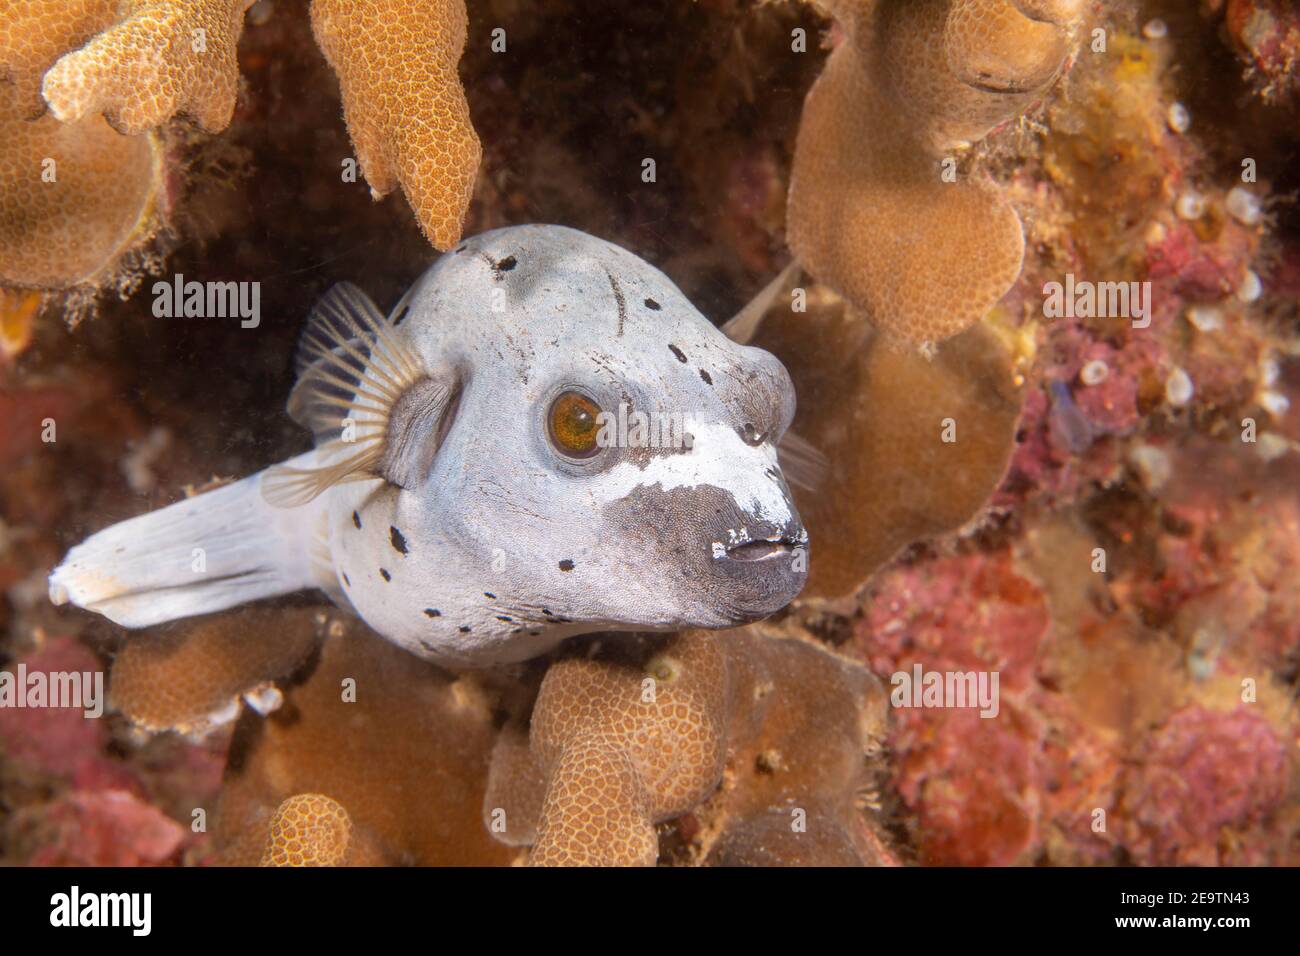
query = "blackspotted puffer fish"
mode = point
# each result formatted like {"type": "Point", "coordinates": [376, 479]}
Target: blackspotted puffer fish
{"type": "Point", "coordinates": [468, 495]}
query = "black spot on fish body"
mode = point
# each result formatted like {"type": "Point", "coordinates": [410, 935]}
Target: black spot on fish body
{"type": "Point", "coordinates": [464, 628]}
{"type": "Point", "coordinates": [681, 356]}
{"type": "Point", "coordinates": [401, 316]}
{"type": "Point", "coordinates": [506, 264]}
{"type": "Point", "coordinates": [489, 594]}
{"type": "Point", "coordinates": [356, 520]}
{"type": "Point", "coordinates": [397, 539]}
{"type": "Point", "coordinates": [383, 573]}
{"type": "Point", "coordinates": [429, 647]}
{"type": "Point", "coordinates": [432, 612]}
{"type": "Point", "coordinates": [346, 580]}
{"type": "Point", "coordinates": [708, 379]}
{"type": "Point", "coordinates": [566, 565]}
{"type": "Point", "coordinates": [652, 304]}
{"type": "Point", "coordinates": [505, 618]}
{"type": "Point", "coordinates": [546, 612]}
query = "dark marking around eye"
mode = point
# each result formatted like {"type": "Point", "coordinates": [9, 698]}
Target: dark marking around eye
{"type": "Point", "coordinates": [708, 379]}
{"type": "Point", "coordinates": [356, 520]}
{"type": "Point", "coordinates": [681, 356]}
{"type": "Point", "coordinates": [385, 575]}
{"type": "Point", "coordinates": [566, 565]}
{"type": "Point", "coordinates": [506, 264]}
{"type": "Point", "coordinates": [489, 594]}
{"type": "Point", "coordinates": [652, 304]}
{"type": "Point", "coordinates": [432, 612]}
{"type": "Point", "coordinates": [464, 628]}
{"type": "Point", "coordinates": [399, 542]}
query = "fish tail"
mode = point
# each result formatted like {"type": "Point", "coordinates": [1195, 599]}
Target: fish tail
{"type": "Point", "coordinates": [204, 554]}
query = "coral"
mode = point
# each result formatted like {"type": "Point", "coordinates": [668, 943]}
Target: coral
{"type": "Point", "coordinates": [192, 676]}
{"type": "Point", "coordinates": [1204, 773]}
{"type": "Point", "coordinates": [74, 197]}
{"type": "Point", "coordinates": [630, 734]}
{"type": "Point", "coordinates": [1267, 34]}
{"type": "Point", "coordinates": [103, 828]}
{"type": "Point", "coordinates": [879, 414]}
{"type": "Point", "coordinates": [158, 59]}
{"type": "Point", "coordinates": [399, 745]}
{"type": "Point", "coordinates": [308, 829]}
{"type": "Point", "coordinates": [35, 33]}
{"type": "Point", "coordinates": [870, 212]}
{"type": "Point", "coordinates": [405, 108]}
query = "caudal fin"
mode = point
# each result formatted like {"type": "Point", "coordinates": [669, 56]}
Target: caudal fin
{"type": "Point", "coordinates": [200, 555]}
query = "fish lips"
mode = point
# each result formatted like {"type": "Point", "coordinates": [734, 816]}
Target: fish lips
{"type": "Point", "coordinates": [762, 567]}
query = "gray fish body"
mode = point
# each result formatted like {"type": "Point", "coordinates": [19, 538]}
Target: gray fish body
{"type": "Point", "coordinates": [476, 536]}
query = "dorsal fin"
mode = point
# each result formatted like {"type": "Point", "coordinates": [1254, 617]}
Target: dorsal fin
{"type": "Point", "coordinates": [352, 371]}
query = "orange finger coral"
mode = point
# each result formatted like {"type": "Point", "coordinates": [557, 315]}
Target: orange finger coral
{"type": "Point", "coordinates": [876, 210]}
{"type": "Point", "coordinates": [915, 446]}
{"type": "Point", "coordinates": [405, 108]}
{"type": "Point", "coordinates": [160, 59]}
{"type": "Point", "coordinates": [308, 829]}
{"type": "Point", "coordinates": [73, 196]}
{"type": "Point", "coordinates": [763, 739]}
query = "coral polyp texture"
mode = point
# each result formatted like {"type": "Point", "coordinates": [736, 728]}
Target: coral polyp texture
{"type": "Point", "coordinates": [878, 209]}
{"type": "Point", "coordinates": [74, 197]}
{"type": "Point", "coordinates": [624, 736]}
{"type": "Point", "coordinates": [405, 108]}
{"type": "Point", "coordinates": [308, 829]}
{"type": "Point", "coordinates": [160, 58]}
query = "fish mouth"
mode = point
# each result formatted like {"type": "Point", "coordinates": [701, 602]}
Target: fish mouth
{"type": "Point", "coordinates": [763, 550]}
{"type": "Point", "coordinates": [762, 546]}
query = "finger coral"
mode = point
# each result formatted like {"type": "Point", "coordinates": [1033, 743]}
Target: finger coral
{"type": "Point", "coordinates": [405, 108]}
{"type": "Point", "coordinates": [626, 736]}
{"type": "Point", "coordinates": [399, 745]}
{"type": "Point", "coordinates": [73, 196]}
{"type": "Point", "coordinates": [193, 676]}
{"type": "Point", "coordinates": [876, 208]}
{"type": "Point", "coordinates": [159, 59]}
{"type": "Point", "coordinates": [308, 829]}
{"type": "Point", "coordinates": [916, 446]}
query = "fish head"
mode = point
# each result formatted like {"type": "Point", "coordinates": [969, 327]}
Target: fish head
{"type": "Point", "coordinates": [612, 456]}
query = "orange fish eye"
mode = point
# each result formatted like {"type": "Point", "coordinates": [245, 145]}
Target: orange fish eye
{"type": "Point", "coordinates": [573, 425]}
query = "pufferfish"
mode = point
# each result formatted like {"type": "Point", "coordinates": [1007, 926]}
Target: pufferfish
{"type": "Point", "coordinates": [460, 498]}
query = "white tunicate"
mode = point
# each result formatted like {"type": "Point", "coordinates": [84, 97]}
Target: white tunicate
{"type": "Point", "coordinates": [1179, 117]}
{"type": "Point", "coordinates": [1275, 403]}
{"type": "Point", "coordinates": [1152, 465]}
{"type": "Point", "coordinates": [1250, 288]}
{"type": "Point", "coordinates": [1190, 205]}
{"type": "Point", "coordinates": [1155, 29]}
{"type": "Point", "coordinates": [1205, 318]}
{"type": "Point", "coordinates": [1178, 388]}
{"type": "Point", "coordinates": [1094, 373]}
{"type": "Point", "coordinates": [1269, 371]}
{"type": "Point", "coordinates": [1244, 206]}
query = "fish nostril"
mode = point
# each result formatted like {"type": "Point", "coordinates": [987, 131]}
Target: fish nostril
{"type": "Point", "coordinates": [751, 435]}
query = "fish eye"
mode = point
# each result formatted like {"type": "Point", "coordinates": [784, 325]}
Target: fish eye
{"type": "Point", "coordinates": [573, 426]}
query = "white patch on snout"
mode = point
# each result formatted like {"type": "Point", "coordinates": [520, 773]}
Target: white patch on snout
{"type": "Point", "coordinates": [718, 458]}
